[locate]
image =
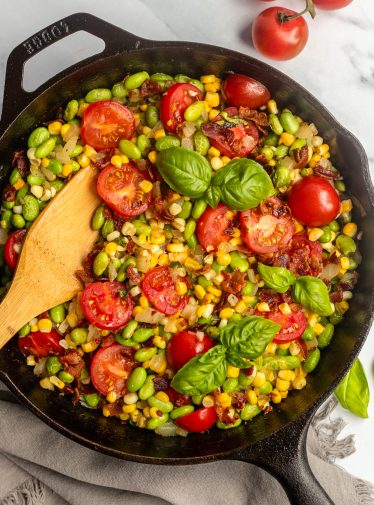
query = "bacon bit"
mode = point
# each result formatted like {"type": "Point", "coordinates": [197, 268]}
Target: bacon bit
{"type": "Point", "coordinates": [226, 415]}
{"type": "Point", "coordinates": [108, 213]}
{"type": "Point", "coordinates": [274, 206]}
{"type": "Point", "coordinates": [328, 173]}
{"type": "Point", "coordinates": [73, 363]}
{"type": "Point", "coordinates": [130, 246]}
{"type": "Point", "coordinates": [150, 88]}
{"type": "Point", "coordinates": [233, 283]}
{"type": "Point", "coordinates": [222, 303]}
{"type": "Point", "coordinates": [349, 284]}
{"type": "Point", "coordinates": [114, 408]}
{"type": "Point", "coordinates": [238, 400]}
{"type": "Point", "coordinates": [21, 162]}
{"type": "Point", "coordinates": [9, 193]}
{"type": "Point", "coordinates": [88, 262]}
{"type": "Point", "coordinates": [132, 274]}
{"type": "Point", "coordinates": [301, 155]}
{"type": "Point", "coordinates": [259, 118]}
{"type": "Point", "coordinates": [267, 410]}
{"type": "Point", "coordinates": [272, 298]}
{"type": "Point", "coordinates": [84, 277]}
{"type": "Point", "coordinates": [118, 221]}
{"type": "Point", "coordinates": [160, 383]}
{"type": "Point", "coordinates": [336, 296]}
{"type": "Point", "coordinates": [103, 159]}
{"type": "Point", "coordinates": [261, 158]}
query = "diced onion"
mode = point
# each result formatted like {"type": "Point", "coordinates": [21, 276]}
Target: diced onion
{"type": "Point", "coordinates": [167, 429]}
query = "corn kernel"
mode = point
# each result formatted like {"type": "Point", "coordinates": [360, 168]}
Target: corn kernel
{"type": "Point", "coordinates": [284, 346]}
{"type": "Point", "coordinates": [276, 396]}
{"type": "Point", "coordinates": [181, 288]}
{"type": "Point", "coordinates": [346, 206]}
{"type": "Point", "coordinates": [116, 160]}
{"type": "Point", "coordinates": [30, 360]}
{"type": "Point", "coordinates": [134, 416]}
{"type": "Point", "coordinates": [259, 380]}
{"type": "Point", "coordinates": [137, 310]}
{"type": "Point", "coordinates": [226, 313]}
{"type": "Point", "coordinates": [146, 412]}
{"type": "Point", "coordinates": [67, 169]}
{"type": "Point", "coordinates": [124, 417]}
{"type": "Point", "coordinates": [224, 399]}
{"type": "Point", "coordinates": [158, 363]}
{"type": "Point", "coordinates": [248, 300]}
{"type": "Point", "coordinates": [159, 342]}
{"type": "Point", "coordinates": [162, 396]}
{"type": "Point", "coordinates": [111, 248]}
{"type": "Point", "coordinates": [70, 343]}
{"type": "Point", "coordinates": [205, 310]}
{"type": "Point", "coordinates": [272, 107]}
{"type": "Point", "coordinates": [212, 99]}
{"type": "Point", "coordinates": [282, 385]}
{"type": "Point", "coordinates": [146, 186]}
{"type": "Point", "coordinates": [154, 412]}
{"type": "Point", "coordinates": [45, 162]}
{"type": "Point", "coordinates": [323, 149]}
{"type": "Point", "coordinates": [128, 409]}
{"type": "Point", "coordinates": [144, 107]}
{"type": "Point", "coordinates": [55, 128]}
{"type": "Point", "coordinates": [205, 79]}
{"type": "Point", "coordinates": [64, 129]}
{"type": "Point", "coordinates": [287, 375]}
{"type": "Point", "coordinates": [251, 397]}
{"type": "Point", "coordinates": [263, 307]}
{"type": "Point", "coordinates": [350, 229]}
{"type": "Point", "coordinates": [146, 363]}
{"type": "Point", "coordinates": [208, 401]}
{"type": "Point", "coordinates": [344, 261]}
{"type": "Point", "coordinates": [213, 86]}
{"type": "Point", "coordinates": [147, 130]}
{"type": "Point", "coordinates": [287, 139]}
{"type": "Point", "coordinates": [46, 384]}
{"type": "Point", "coordinates": [285, 308]}
{"type": "Point", "coordinates": [89, 346]}
{"type": "Point", "coordinates": [143, 302]}
{"type": "Point", "coordinates": [299, 383]}
{"type": "Point", "coordinates": [232, 371]}
{"type": "Point", "coordinates": [152, 156]}
{"type": "Point", "coordinates": [192, 264]}
{"type": "Point", "coordinates": [45, 325]}
{"type": "Point", "coordinates": [240, 307]}
{"type": "Point", "coordinates": [83, 160]}
{"type": "Point", "coordinates": [111, 397]}
{"type": "Point", "coordinates": [163, 259]}
{"type": "Point", "coordinates": [72, 320]}
{"type": "Point", "coordinates": [213, 152]}
{"type": "Point", "coordinates": [315, 234]}
{"type": "Point", "coordinates": [124, 159]}
{"type": "Point", "coordinates": [298, 226]}
{"type": "Point", "coordinates": [214, 291]}
{"type": "Point", "coordinates": [342, 307]}
{"type": "Point", "coordinates": [312, 319]}
{"type": "Point", "coordinates": [159, 133]}
{"type": "Point", "coordinates": [318, 328]}
{"type": "Point", "coordinates": [216, 163]}
{"type": "Point", "coordinates": [19, 184]}
{"type": "Point", "coordinates": [213, 113]}
{"type": "Point", "coordinates": [223, 259]}
{"type": "Point", "coordinates": [82, 108]}
{"type": "Point", "coordinates": [57, 382]}
{"type": "Point", "coordinates": [271, 348]}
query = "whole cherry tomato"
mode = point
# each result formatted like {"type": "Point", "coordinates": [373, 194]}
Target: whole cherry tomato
{"type": "Point", "coordinates": [277, 38]}
{"type": "Point", "coordinates": [186, 345]}
{"type": "Point", "coordinates": [199, 420]}
{"type": "Point", "coordinates": [314, 201]}
{"type": "Point", "coordinates": [241, 90]}
{"type": "Point", "coordinates": [331, 4]}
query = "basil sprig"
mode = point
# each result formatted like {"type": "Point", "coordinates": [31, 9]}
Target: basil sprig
{"type": "Point", "coordinates": [186, 172]}
{"type": "Point", "coordinates": [242, 184]}
{"type": "Point", "coordinates": [353, 392]}
{"type": "Point", "coordinates": [241, 341]}
{"type": "Point", "coordinates": [313, 294]}
{"type": "Point", "coordinates": [277, 278]}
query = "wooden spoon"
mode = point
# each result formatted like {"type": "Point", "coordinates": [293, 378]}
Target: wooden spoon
{"type": "Point", "coordinates": [53, 250]}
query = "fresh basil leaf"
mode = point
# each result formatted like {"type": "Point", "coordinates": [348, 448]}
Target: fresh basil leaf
{"type": "Point", "coordinates": [202, 374]}
{"type": "Point", "coordinates": [213, 196]}
{"type": "Point", "coordinates": [353, 392]}
{"type": "Point", "coordinates": [313, 294]}
{"type": "Point", "coordinates": [243, 183]}
{"type": "Point", "coordinates": [186, 172]}
{"type": "Point", "coordinates": [277, 278]}
{"type": "Point", "coordinates": [248, 337]}
{"type": "Point", "coordinates": [235, 359]}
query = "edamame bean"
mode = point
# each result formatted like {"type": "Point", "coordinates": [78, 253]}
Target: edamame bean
{"type": "Point", "coordinates": [181, 411]}
{"type": "Point", "coordinates": [143, 143]}
{"type": "Point", "coordinates": [164, 407]}
{"type": "Point", "coordinates": [238, 261]}
{"type": "Point", "coordinates": [130, 261]}
{"type": "Point", "coordinates": [308, 334]}
{"type": "Point", "coordinates": [325, 337]}
{"type": "Point", "coordinates": [189, 229]}
{"type": "Point", "coordinates": [326, 237]}
{"type": "Point", "coordinates": [230, 385]}
{"type": "Point", "coordinates": [57, 313]}
{"type": "Point", "coordinates": [129, 149]}
{"type": "Point", "coordinates": [15, 176]}
{"type": "Point", "coordinates": [141, 228]}
{"type": "Point", "coordinates": [78, 149]}
{"type": "Point", "coordinates": [282, 177]}
{"type": "Point", "coordinates": [161, 78]}
{"type": "Point", "coordinates": [198, 84]}
{"type": "Point", "coordinates": [334, 226]}
{"type": "Point", "coordinates": [119, 90]}
{"type": "Point", "coordinates": [46, 148]}
{"type": "Point", "coordinates": [57, 184]}
{"type": "Point", "coordinates": [352, 264]}
{"type": "Point", "coordinates": [6, 218]}
{"type": "Point", "coordinates": [79, 335]}
{"type": "Point", "coordinates": [108, 227]}
{"type": "Point", "coordinates": [217, 268]}
{"type": "Point", "coordinates": [336, 319]}
{"type": "Point", "coordinates": [98, 218]}
{"type": "Point", "coordinates": [340, 186]}
{"type": "Point", "coordinates": [192, 241]}
{"type": "Point", "coordinates": [100, 263]}
{"type": "Point", "coordinates": [272, 139]}
{"type": "Point", "coordinates": [155, 422]}
{"type": "Point", "coordinates": [71, 110]}
{"type": "Point", "coordinates": [166, 142]}
{"type": "Point", "coordinates": [281, 151]}
{"type": "Point", "coordinates": [136, 379]}
{"type": "Point", "coordinates": [134, 81]}
{"type": "Point", "coordinates": [65, 377]}
{"type": "Point", "coordinates": [18, 221]}
{"type": "Point", "coordinates": [249, 412]}
{"type": "Point", "coordinates": [8, 205]}
{"type": "Point", "coordinates": [38, 136]}
{"type": "Point", "coordinates": [282, 362]}
{"type": "Point", "coordinates": [201, 143]}
{"type": "Point", "coordinates": [182, 78]}
{"type": "Point", "coordinates": [297, 144]}
{"type": "Point", "coordinates": [145, 354]}
{"type": "Point", "coordinates": [312, 360]}
{"type": "Point", "coordinates": [34, 180]}
{"type": "Point", "coordinates": [266, 388]}
{"type": "Point", "coordinates": [194, 111]}
{"type": "Point", "coordinates": [248, 289]}
{"type": "Point", "coordinates": [244, 379]}
{"type": "Point", "coordinates": [204, 282]}
{"type": "Point", "coordinates": [151, 116]}
{"type": "Point", "coordinates": [25, 330]}
{"type": "Point", "coordinates": [129, 330]}
{"type": "Point", "coordinates": [186, 210]}
{"type": "Point", "coordinates": [30, 208]}
{"type": "Point", "coordinates": [92, 400]}
{"type": "Point", "coordinates": [223, 426]}
{"type": "Point", "coordinates": [198, 208]}
{"type": "Point", "coordinates": [275, 124]}
{"type": "Point", "coordinates": [121, 274]}
{"type": "Point", "coordinates": [281, 352]}
{"type": "Point", "coordinates": [148, 389]}
{"type": "Point", "coordinates": [53, 365]}
{"type": "Point", "coordinates": [268, 152]}
{"type": "Point", "coordinates": [98, 94]}
{"type": "Point", "coordinates": [126, 342]}
{"type": "Point", "coordinates": [143, 334]}
{"type": "Point", "coordinates": [346, 244]}
{"type": "Point", "coordinates": [21, 194]}
{"type": "Point", "coordinates": [289, 122]}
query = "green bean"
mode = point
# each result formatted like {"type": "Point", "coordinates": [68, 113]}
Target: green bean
{"type": "Point", "coordinates": [266, 388]}
{"type": "Point", "coordinates": [268, 152]}
{"type": "Point", "coordinates": [148, 389]}
{"type": "Point", "coordinates": [194, 111]}
{"type": "Point", "coordinates": [130, 149]}
{"type": "Point", "coordinates": [346, 244]}
{"type": "Point", "coordinates": [57, 184]}
{"type": "Point", "coordinates": [289, 122]}
{"type": "Point", "coordinates": [340, 186]}
{"type": "Point", "coordinates": [129, 330]}
{"type": "Point", "coordinates": [204, 282]}
{"type": "Point", "coordinates": [141, 228]}
{"type": "Point", "coordinates": [198, 208]}
{"type": "Point", "coordinates": [71, 110]}
{"type": "Point", "coordinates": [79, 335]}
{"type": "Point", "coordinates": [98, 94]}
{"type": "Point", "coordinates": [281, 151]}
{"type": "Point", "coordinates": [143, 143]}
{"type": "Point", "coordinates": [92, 400]}
{"type": "Point", "coordinates": [282, 177]}
{"type": "Point", "coordinates": [18, 221]}
{"type": "Point", "coordinates": [201, 143]}
{"type": "Point", "coordinates": [230, 385]}
{"type": "Point", "coordinates": [161, 78]}
{"type": "Point", "coordinates": [8, 205]}
{"type": "Point", "coordinates": [100, 263]}
{"type": "Point", "coordinates": [308, 334]}
{"type": "Point", "coordinates": [151, 116]}
{"type": "Point", "coordinates": [275, 124]}
{"type": "Point", "coordinates": [30, 208]}
{"type": "Point", "coordinates": [154, 423]}
{"type": "Point", "coordinates": [14, 176]}
{"type": "Point", "coordinates": [186, 210]}
{"type": "Point", "coordinates": [281, 352]}
{"type": "Point", "coordinates": [181, 411]}
{"type": "Point", "coordinates": [46, 148]}
{"type": "Point", "coordinates": [164, 407]}
{"type": "Point", "coordinates": [119, 90]}
{"type": "Point", "coordinates": [192, 241]}
{"type": "Point", "coordinates": [282, 363]}
{"type": "Point", "coordinates": [98, 219]}
{"type": "Point", "coordinates": [57, 313]}
{"type": "Point", "coordinates": [143, 334]}
{"type": "Point", "coordinates": [136, 379]}
{"type": "Point", "coordinates": [326, 237]}
{"type": "Point", "coordinates": [336, 319]}
{"type": "Point", "coordinates": [238, 261]}
{"type": "Point", "coordinates": [249, 412]}
{"type": "Point", "coordinates": [108, 227]}
{"type": "Point", "coordinates": [25, 330]}
{"type": "Point", "coordinates": [272, 139]}
{"type": "Point", "coordinates": [166, 142]}
{"type": "Point", "coordinates": [312, 360]}
{"type": "Point", "coordinates": [248, 289]}
{"type": "Point", "coordinates": [189, 229]}
{"type": "Point", "coordinates": [223, 426]}
{"type": "Point", "coordinates": [134, 81]}
{"type": "Point", "coordinates": [38, 136]}
{"type": "Point", "coordinates": [297, 144]}
{"type": "Point", "coordinates": [53, 365]}
{"type": "Point", "coordinates": [34, 180]}
{"type": "Point", "coordinates": [325, 337]}
{"type": "Point", "coordinates": [198, 84]}
{"type": "Point", "coordinates": [182, 78]}
{"type": "Point", "coordinates": [334, 226]}
{"type": "Point", "coordinates": [145, 354]}
{"type": "Point", "coordinates": [65, 377]}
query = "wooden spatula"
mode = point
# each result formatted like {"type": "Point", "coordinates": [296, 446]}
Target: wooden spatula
{"type": "Point", "coordinates": [53, 250]}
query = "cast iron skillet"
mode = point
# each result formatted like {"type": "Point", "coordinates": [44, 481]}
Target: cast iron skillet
{"type": "Point", "coordinates": [275, 442]}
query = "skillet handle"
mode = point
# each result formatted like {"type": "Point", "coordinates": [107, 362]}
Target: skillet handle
{"type": "Point", "coordinates": [284, 456]}
{"type": "Point", "coordinates": [116, 40]}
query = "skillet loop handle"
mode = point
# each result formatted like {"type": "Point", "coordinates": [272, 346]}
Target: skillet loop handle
{"type": "Point", "coordinates": [116, 40]}
{"type": "Point", "coordinates": [284, 456]}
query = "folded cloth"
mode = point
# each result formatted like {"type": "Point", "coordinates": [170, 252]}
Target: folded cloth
{"type": "Point", "coordinates": [38, 466]}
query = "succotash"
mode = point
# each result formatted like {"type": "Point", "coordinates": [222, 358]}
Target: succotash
{"type": "Point", "coordinates": [226, 251]}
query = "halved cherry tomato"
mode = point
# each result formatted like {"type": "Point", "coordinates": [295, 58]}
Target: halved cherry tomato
{"type": "Point", "coordinates": [158, 286]}
{"type": "Point", "coordinates": [331, 4]}
{"type": "Point", "coordinates": [105, 123]}
{"type": "Point", "coordinates": [110, 368]}
{"type": "Point", "coordinates": [199, 420]}
{"type": "Point", "coordinates": [268, 227]}
{"type": "Point", "coordinates": [175, 101]}
{"type": "Point", "coordinates": [13, 242]}
{"type": "Point", "coordinates": [177, 399]}
{"type": "Point", "coordinates": [238, 140]}
{"type": "Point", "coordinates": [241, 90]}
{"type": "Point", "coordinates": [120, 189]}
{"type": "Point", "coordinates": [105, 305]}
{"type": "Point", "coordinates": [305, 256]}
{"type": "Point", "coordinates": [215, 226]}
{"type": "Point", "coordinates": [41, 344]}
{"type": "Point", "coordinates": [186, 345]}
{"type": "Point", "coordinates": [293, 325]}
{"type": "Point", "coordinates": [314, 201]}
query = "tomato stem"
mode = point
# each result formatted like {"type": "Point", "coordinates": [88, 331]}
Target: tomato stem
{"type": "Point", "coordinates": [309, 7]}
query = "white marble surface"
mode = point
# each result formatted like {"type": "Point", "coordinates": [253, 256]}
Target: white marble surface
{"type": "Point", "coordinates": [337, 66]}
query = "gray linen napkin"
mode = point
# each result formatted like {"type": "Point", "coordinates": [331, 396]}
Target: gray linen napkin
{"type": "Point", "coordinates": [38, 466]}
